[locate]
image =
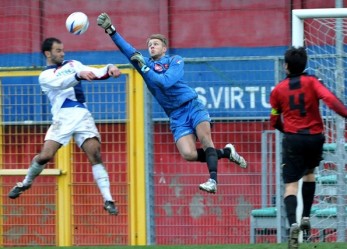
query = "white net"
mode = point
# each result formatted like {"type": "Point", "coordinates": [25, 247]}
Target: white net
{"type": "Point", "coordinates": [325, 40]}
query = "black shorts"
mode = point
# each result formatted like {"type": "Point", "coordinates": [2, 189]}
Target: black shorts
{"type": "Point", "coordinates": [300, 153]}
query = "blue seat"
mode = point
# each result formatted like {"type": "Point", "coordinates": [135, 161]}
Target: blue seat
{"type": "Point", "coordinates": [331, 147]}
{"type": "Point", "coordinates": [328, 179]}
{"type": "Point", "coordinates": [264, 212]}
{"type": "Point", "coordinates": [266, 218]}
{"type": "Point", "coordinates": [327, 212]}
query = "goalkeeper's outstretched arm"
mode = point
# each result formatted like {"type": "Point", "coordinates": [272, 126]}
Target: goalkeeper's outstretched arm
{"type": "Point", "coordinates": [134, 56]}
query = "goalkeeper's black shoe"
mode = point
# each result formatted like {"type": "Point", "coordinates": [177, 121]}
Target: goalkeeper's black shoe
{"type": "Point", "coordinates": [110, 207]}
{"type": "Point", "coordinates": [305, 227]}
{"type": "Point", "coordinates": [17, 190]}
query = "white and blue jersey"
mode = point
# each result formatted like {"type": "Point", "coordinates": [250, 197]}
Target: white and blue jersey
{"type": "Point", "coordinates": [165, 81]}
{"type": "Point", "coordinates": [64, 90]}
{"type": "Point", "coordinates": [60, 83]}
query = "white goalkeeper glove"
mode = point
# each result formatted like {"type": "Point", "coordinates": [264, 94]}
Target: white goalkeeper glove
{"type": "Point", "coordinates": [137, 57]}
{"type": "Point", "coordinates": [104, 21]}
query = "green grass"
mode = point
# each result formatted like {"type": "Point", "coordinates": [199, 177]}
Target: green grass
{"type": "Point", "coordinates": [248, 246]}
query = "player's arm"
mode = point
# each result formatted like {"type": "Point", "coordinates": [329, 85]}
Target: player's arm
{"type": "Point", "coordinates": [174, 73]}
{"type": "Point", "coordinates": [139, 62]}
{"type": "Point", "coordinates": [163, 80]}
{"type": "Point", "coordinates": [92, 73]}
{"type": "Point", "coordinates": [276, 115]}
{"type": "Point", "coordinates": [104, 21]}
{"type": "Point", "coordinates": [49, 79]}
{"type": "Point", "coordinates": [113, 71]}
{"type": "Point", "coordinates": [276, 120]}
{"type": "Point", "coordinates": [330, 99]}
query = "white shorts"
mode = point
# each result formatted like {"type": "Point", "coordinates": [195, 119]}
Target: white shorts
{"type": "Point", "coordinates": [74, 121]}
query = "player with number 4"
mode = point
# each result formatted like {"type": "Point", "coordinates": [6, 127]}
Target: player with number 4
{"type": "Point", "coordinates": [295, 112]}
{"type": "Point", "coordinates": [189, 119]}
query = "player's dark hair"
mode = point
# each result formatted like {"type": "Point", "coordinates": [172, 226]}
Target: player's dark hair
{"type": "Point", "coordinates": [296, 60]}
{"type": "Point", "coordinates": [159, 37]}
{"type": "Point", "coordinates": [48, 43]}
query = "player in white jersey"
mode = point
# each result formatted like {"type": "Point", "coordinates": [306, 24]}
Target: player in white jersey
{"type": "Point", "coordinates": [61, 82]}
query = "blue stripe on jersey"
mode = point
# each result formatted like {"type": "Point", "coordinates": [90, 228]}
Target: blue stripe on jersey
{"type": "Point", "coordinates": [79, 93]}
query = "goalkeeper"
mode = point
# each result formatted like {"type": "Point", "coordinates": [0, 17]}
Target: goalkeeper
{"type": "Point", "coordinates": [295, 112]}
{"type": "Point", "coordinates": [189, 119]}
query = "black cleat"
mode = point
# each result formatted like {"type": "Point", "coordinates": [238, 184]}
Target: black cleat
{"type": "Point", "coordinates": [17, 190]}
{"type": "Point", "coordinates": [110, 207]}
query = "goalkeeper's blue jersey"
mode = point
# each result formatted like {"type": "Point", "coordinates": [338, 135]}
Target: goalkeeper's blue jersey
{"type": "Point", "coordinates": [164, 79]}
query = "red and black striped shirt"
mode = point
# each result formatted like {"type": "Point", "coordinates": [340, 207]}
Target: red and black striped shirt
{"type": "Point", "coordinates": [295, 104]}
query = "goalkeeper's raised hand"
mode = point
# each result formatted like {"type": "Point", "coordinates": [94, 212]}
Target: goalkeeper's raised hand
{"type": "Point", "coordinates": [138, 58]}
{"type": "Point", "coordinates": [104, 21]}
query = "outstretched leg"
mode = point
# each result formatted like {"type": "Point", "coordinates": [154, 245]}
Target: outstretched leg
{"type": "Point", "coordinates": [187, 148]}
{"type": "Point", "coordinates": [92, 149]}
{"type": "Point", "coordinates": [228, 151]}
{"type": "Point", "coordinates": [203, 131]}
{"type": "Point", "coordinates": [38, 163]}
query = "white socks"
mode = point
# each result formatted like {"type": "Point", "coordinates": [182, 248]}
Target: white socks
{"type": "Point", "coordinates": [34, 170]}
{"type": "Point", "coordinates": [99, 172]}
{"type": "Point", "coordinates": [101, 178]}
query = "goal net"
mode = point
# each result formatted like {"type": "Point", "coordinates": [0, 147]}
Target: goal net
{"type": "Point", "coordinates": [323, 33]}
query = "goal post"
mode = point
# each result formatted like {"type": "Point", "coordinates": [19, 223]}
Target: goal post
{"type": "Point", "coordinates": [323, 32]}
{"type": "Point", "coordinates": [299, 15]}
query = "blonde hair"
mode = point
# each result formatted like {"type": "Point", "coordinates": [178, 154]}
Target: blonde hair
{"type": "Point", "coordinates": [160, 37]}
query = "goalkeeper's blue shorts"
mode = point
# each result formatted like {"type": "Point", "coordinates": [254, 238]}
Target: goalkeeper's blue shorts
{"type": "Point", "coordinates": [183, 120]}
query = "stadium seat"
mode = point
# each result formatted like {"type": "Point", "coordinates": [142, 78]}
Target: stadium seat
{"type": "Point", "coordinates": [262, 219]}
{"type": "Point", "coordinates": [266, 219]}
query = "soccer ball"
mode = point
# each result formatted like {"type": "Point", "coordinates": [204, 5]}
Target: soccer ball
{"type": "Point", "coordinates": [77, 23]}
